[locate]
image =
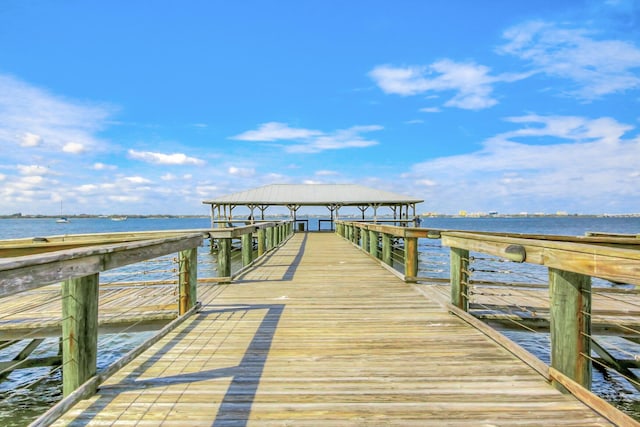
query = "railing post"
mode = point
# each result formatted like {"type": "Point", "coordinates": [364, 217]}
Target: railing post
{"type": "Point", "coordinates": [188, 279]}
{"type": "Point", "coordinates": [570, 309]}
{"type": "Point", "coordinates": [224, 257]}
{"type": "Point", "coordinates": [459, 261]}
{"type": "Point", "coordinates": [247, 249]}
{"type": "Point", "coordinates": [79, 331]}
{"type": "Point", "coordinates": [364, 242]}
{"type": "Point", "coordinates": [373, 243]}
{"type": "Point", "coordinates": [410, 258]}
{"type": "Point", "coordinates": [262, 247]}
{"type": "Point", "coordinates": [269, 233]}
{"type": "Point", "coordinates": [387, 249]}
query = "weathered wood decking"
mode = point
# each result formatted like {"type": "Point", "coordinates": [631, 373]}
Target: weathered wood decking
{"type": "Point", "coordinates": [320, 334]}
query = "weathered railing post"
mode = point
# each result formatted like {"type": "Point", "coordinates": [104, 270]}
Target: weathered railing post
{"type": "Point", "coordinates": [79, 331]}
{"type": "Point", "coordinates": [570, 328]}
{"type": "Point", "coordinates": [262, 247]}
{"type": "Point", "coordinates": [364, 242]}
{"type": "Point", "coordinates": [410, 258]}
{"type": "Point", "coordinates": [387, 249]}
{"type": "Point", "coordinates": [224, 257]}
{"type": "Point", "coordinates": [459, 275]}
{"type": "Point", "coordinates": [187, 280]}
{"type": "Point", "coordinates": [269, 233]}
{"type": "Point", "coordinates": [247, 249]}
{"type": "Point", "coordinates": [373, 243]}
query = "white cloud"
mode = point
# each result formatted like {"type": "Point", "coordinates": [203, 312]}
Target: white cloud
{"type": "Point", "coordinates": [165, 159]}
{"type": "Point", "coordinates": [588, 166]}
{"type": "Point", "coordinates": [2, 177]}
{"type": "Point", "coordinates": [87, 188]}
{"type": "Point", "coordinates": [472, 83]}
{"type": "Point", "coordinates": [33, 117]}
{"type": "Point", "coordinates": [30, 140]}
{"type": "Point", "coordinates": [242, 172]}
{"type": "Point", "coordinates": [273, 131]}
{"type": "Point", "coordinates": [597, 66]}
{"type": "Point", "coordinates": [73, 148]}
{"type": "Point", "coordinates": [32, 170]}
{"type": "Point", "coordinates": [311, 141]}
{"type": "Point", "coordinates": [136, 180]}
{"type": "Point", "coordinates": [168, 177]}
{"type": "Point", "coordinates": [326, 173]}
{"type": "Point", "coordinates": [430, 110]}
{"type": "Point", "coordinates": [102, 166]}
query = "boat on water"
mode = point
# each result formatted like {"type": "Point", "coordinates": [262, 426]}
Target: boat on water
{"type": "Point", "coordinates": [62, 220]}
{"type": "Point", "coordinates": [118, 218]}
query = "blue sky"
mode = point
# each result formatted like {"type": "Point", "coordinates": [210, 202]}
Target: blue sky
{"type": "Point", "coordinates": [139, 107]}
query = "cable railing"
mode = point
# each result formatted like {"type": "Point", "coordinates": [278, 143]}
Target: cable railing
{"type": "Point", "coordinates": [91, 289]}
{"type": "Point", "coordinates": [568, 289]}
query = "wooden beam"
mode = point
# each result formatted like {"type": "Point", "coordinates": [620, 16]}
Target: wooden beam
{"type": "Point", "coordinates": [611, 263]}
{"type": "Point", "coordinates": [33, 271]}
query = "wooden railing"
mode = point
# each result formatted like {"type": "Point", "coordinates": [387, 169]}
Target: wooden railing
{"type": "Point", "coordinates": [76, 261]}
{"type": "Point", "coordinates": [571, 263]}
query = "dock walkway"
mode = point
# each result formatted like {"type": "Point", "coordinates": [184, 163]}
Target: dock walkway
{"type": "Point", "coordinates": [318, 334]}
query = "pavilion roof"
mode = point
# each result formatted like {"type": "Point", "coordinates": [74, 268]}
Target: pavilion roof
{"type": "Point", "coordinates": [313, 195]}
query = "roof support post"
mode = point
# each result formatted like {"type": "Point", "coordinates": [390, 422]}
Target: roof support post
{"type": "Point", "coordinates": [251, 217]}
{"type": "Point", "coordinates": [375, 207]}
{"type": "Point", "coordinates": [262, 209]}
{"type": "Point", "coordinates": [293, 209]}
{"type": "Point", "coordinates": [363, 209]}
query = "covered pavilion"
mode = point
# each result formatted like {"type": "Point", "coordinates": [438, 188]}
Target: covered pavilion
{"type": "Point", "coordinates": [331, 196]}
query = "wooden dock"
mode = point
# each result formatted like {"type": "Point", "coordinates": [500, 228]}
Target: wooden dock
{"type": "Point", "coordinates": [318, 333]}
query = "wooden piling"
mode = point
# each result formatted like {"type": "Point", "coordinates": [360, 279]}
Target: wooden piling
{"type": "Point", "coordinates": [262, 247]}
{"type": "Point", "coordinates": [387, 249]}
{"type": "Point", "coordinates": [459, 267]}
{"type": "Point", "coordinates": [247, 249]}
{"type": "Point", "coordinates": [570, 328]}
{"type": "Point", "coordinates": [410, 258]}
{"type": "Point", "coordinates": [373, 243]}
{"type": "Point", "coordinates": [188, 279]}
{"type": "Point", "coordinates": [79, 331]}
{"type": "Point", "coordinates": [224, 257]}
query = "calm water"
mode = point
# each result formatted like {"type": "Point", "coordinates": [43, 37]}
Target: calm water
{"type": "Point", "coordinates": [27, 394]}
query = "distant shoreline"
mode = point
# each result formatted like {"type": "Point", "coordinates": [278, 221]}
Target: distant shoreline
{"type": "Point", "coordinates": [346, 217]}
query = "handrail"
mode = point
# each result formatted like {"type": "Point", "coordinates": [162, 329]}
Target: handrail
{"type": "Point", "coordinates": [571, 262]}
{"type": "Point", "coordinates": [76, 262]}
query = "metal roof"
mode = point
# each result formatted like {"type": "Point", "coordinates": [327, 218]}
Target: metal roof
{"type": "Point", "coordinates": [313, 195]}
